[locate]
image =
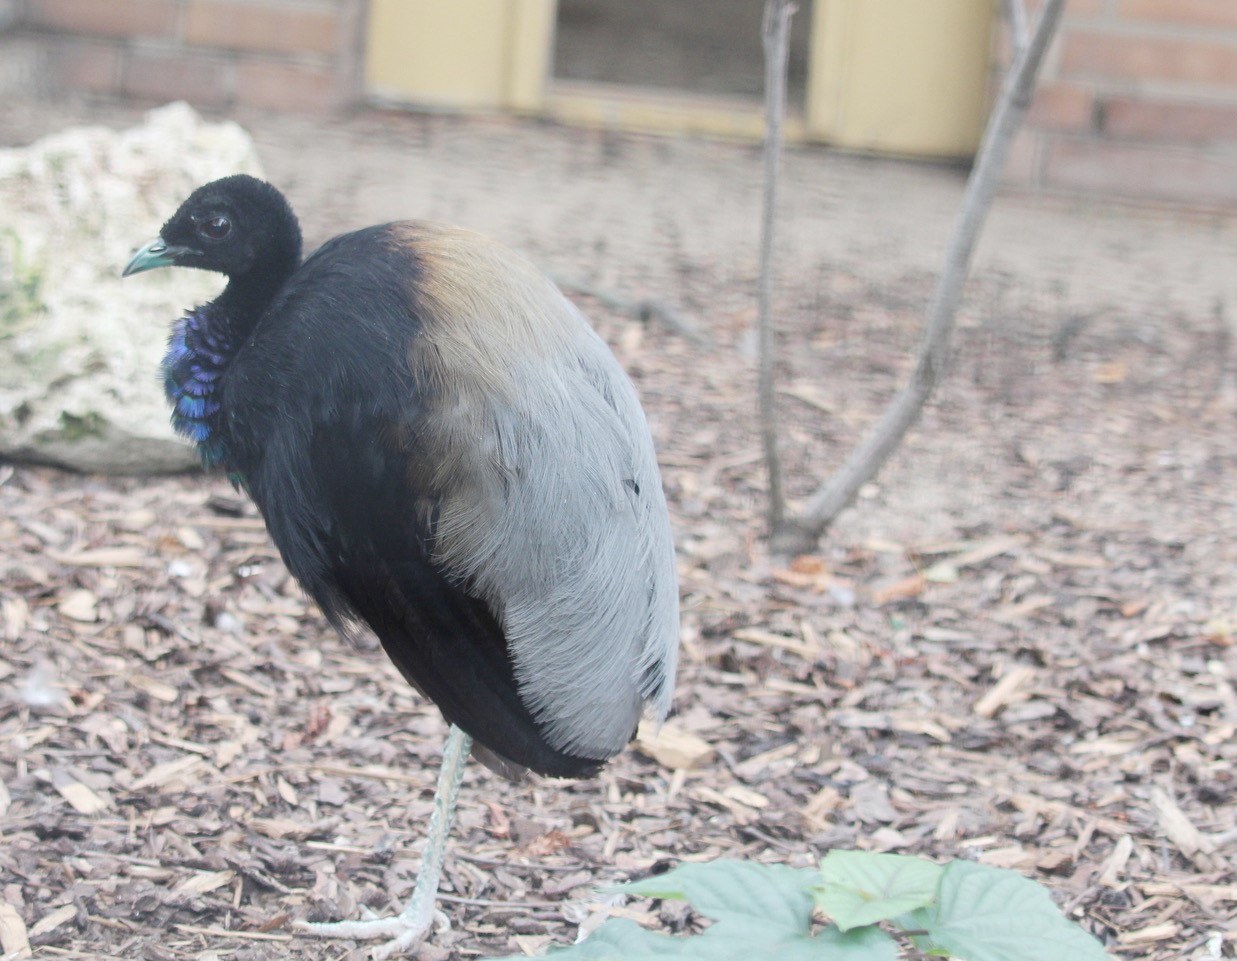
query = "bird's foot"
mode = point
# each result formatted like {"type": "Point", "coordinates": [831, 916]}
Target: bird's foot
{"type": "Point", "coordinates": [403, 931]}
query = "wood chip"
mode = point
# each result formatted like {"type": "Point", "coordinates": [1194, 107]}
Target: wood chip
{"type": "Point", "coordinates": [1150, 934]}
{"type": "Point", "coordinates": [742, 813]}
{"type": "Point", "coordinates": [161, 774]}
{"type": "Point", "coordinates": [203, 882]}
{"type": "Point", "coordinates": [769, 639]}
{"type": "Point", "coordinates": [227, 933]}
{"type": "Point", "coordinates": [248, 681]}
{"type": "Point", "coordinates": [81, 798]}
{"type": "Point", "coordinates": [1218, 892]}
{"type": "Point", "coordinates": [673, 747]}
{"type": "Point", "coordinates": [1004, 691]}
{"type": "Point", "coordinates": [901, 590]}
{"type": "Point", "coordinates": [13, 938]}
{"type": "Point", "coordinates": [1181, 830]}
{"type": "Point", "coordinates": [1115, 864]}
{"type": "Point", "coordinates": [745, 795]}
{"type": "Point", "coordinates": [53, 920]}
{"type": "Point", "coordinates": [985, 551]}
{"type": "Point", "coordinates": [373, 772]}
{"type": "Point", "coordinates": [80, 605]}
{"type": "Point", "coordinates": [154, 688]}
{"type": "Point", "coordinates": [123, 556]}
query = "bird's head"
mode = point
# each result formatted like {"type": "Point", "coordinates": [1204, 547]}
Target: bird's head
{"type": "Point", "coordinates": [232, 226]}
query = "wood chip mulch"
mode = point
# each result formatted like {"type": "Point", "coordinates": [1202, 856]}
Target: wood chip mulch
{"type": "Point", "coordinates": [1017, 647]}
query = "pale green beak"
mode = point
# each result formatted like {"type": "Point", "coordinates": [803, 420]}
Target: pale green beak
{"type": "Point", "coordinates": [157, 253]}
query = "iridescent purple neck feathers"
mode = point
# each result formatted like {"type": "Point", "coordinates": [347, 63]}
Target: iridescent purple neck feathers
{"type": "Point", "coordinates": [199, 348]}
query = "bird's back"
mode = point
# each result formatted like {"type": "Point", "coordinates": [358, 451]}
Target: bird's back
{"type": "Point", "coordinates": [445, 450]}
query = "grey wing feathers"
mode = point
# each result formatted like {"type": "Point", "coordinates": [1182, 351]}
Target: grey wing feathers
{"type": "Point", "coordinates": [564, 530]}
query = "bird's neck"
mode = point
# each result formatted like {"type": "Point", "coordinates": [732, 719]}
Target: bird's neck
{"type": "Point", "coordinates": [201, 347]}
{"type": "Point", "coordinates": [247, 296]}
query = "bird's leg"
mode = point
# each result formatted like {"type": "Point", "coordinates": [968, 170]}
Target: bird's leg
{"type": "Point", "coordinates": [411, 925]}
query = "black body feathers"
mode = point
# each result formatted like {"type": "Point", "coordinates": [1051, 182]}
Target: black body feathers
{"type": "Point", "coordinates": [444, 451]}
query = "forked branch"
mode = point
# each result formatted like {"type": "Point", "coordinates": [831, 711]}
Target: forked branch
{"type": "Point", "coordinates": [801, 532]}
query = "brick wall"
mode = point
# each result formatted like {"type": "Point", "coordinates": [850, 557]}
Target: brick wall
{"type": "Point", "coordinates": [301, 55]}
{"type": "Point", "coordinates": [1138, 99]}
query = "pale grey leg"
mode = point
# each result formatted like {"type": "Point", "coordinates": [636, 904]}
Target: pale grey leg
{"type": "Point", "coordinates": [411, 925]}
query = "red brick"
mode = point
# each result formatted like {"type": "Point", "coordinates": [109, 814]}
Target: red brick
{"type": "Point", "coordinates": [1062, 107]}
{"type": "Point", "coordinates": [270, 28]}
{"type": "Point", "coordinates": [199, 79]}
{"type": "Point", "coordinates": [1143, 172]}
{"type": "Point", "coordinates": [104, 18]}
{"type": "Point", "coordinates": [83, 65]}
{"type": "Point", "coordinates": [1185, 13]}
{"type": "Point", "coordinates": [1090, 53]}
{"type": "Point", "coordinates": [283, 86]}
{"type": "Point", "coordinates": [1169, 121]}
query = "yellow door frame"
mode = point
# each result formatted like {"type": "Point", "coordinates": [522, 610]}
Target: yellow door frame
{"type": "Point", "coordinates": [891, 76]}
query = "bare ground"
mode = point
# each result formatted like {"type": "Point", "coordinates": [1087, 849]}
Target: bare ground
{"type": "Point", "coordinates": [1017, 647]}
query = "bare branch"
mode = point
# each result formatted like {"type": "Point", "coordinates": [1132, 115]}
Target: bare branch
{"type": "Point", "coordinates": [776, 37]}
{"type": "Point", "coordinates": [1016, 14]}
{"type": "Point", "coordinates": [802, 533]}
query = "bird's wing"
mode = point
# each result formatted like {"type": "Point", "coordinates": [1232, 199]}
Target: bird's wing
{"type": "Point", "coordinates": [562, 528]}
{"type": "Point", "coordinates": [551, 504]}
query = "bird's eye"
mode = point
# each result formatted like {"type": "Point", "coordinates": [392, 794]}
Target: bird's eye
{"type": "Point", "coordinates": [214, 228]}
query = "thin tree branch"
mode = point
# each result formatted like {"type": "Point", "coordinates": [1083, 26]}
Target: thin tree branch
{"type": "Point", "coordinates": [775, 33]}
{"type": "Point", "coordinates": [802, 533]}
{"type": "Point", "coordinates": [1016, 14]}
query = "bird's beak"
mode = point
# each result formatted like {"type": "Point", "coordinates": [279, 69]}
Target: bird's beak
{"type": "Point", "coordinates": [157, 253]}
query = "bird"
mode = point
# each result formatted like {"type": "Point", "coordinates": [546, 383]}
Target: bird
{"type": "Point", "coordinates": [445, 454]}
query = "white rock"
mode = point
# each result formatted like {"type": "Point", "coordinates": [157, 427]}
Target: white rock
{"type": "Point", "coordinates": [80, 384]}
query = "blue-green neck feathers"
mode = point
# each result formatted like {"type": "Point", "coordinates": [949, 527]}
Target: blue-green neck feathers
{"type": "Point", "coordinates": [199, 348]}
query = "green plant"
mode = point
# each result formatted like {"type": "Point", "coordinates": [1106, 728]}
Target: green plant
{"type": "Point", "coordinates": [764, 912]}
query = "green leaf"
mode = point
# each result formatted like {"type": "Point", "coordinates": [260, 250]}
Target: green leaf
{"type": "Point", "coordinates": [863, 944]}
{"type": "Point", "coordinates": [989, 914]}
{"type": "Point", "coordinates": [859, 888]}
{"type": "Point", "coordinates": [620, 939]}
{"type": "Point", "coordinates": [770, 897]}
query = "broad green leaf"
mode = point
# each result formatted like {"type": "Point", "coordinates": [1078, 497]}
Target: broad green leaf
{"type": "Point", "coordinates": [989, 914]}
{"type": "Point", "coordinates": [620, 939]}
{"type": "Point", "coordinates": [858, 888]}
{"type": "Point", "coordinates": [864, 944]}
{"type": "Point", "coordinates": [740, 940]}
{"type": "Point", "coordinates": [771, 897]}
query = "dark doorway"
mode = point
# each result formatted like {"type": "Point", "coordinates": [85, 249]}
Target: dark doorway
{"type": "Point", "coordinates": [709, 47]}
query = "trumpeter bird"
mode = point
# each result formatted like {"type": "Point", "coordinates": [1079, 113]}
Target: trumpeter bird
{"type": "Point", "coordinates": [445, 452]}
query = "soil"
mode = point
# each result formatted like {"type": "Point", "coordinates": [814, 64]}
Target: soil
{"type": "Point", "coordinates": [1017, 647]}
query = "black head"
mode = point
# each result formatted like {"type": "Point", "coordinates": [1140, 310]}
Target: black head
{"type": "Point", "coordinates": [238, 226]}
